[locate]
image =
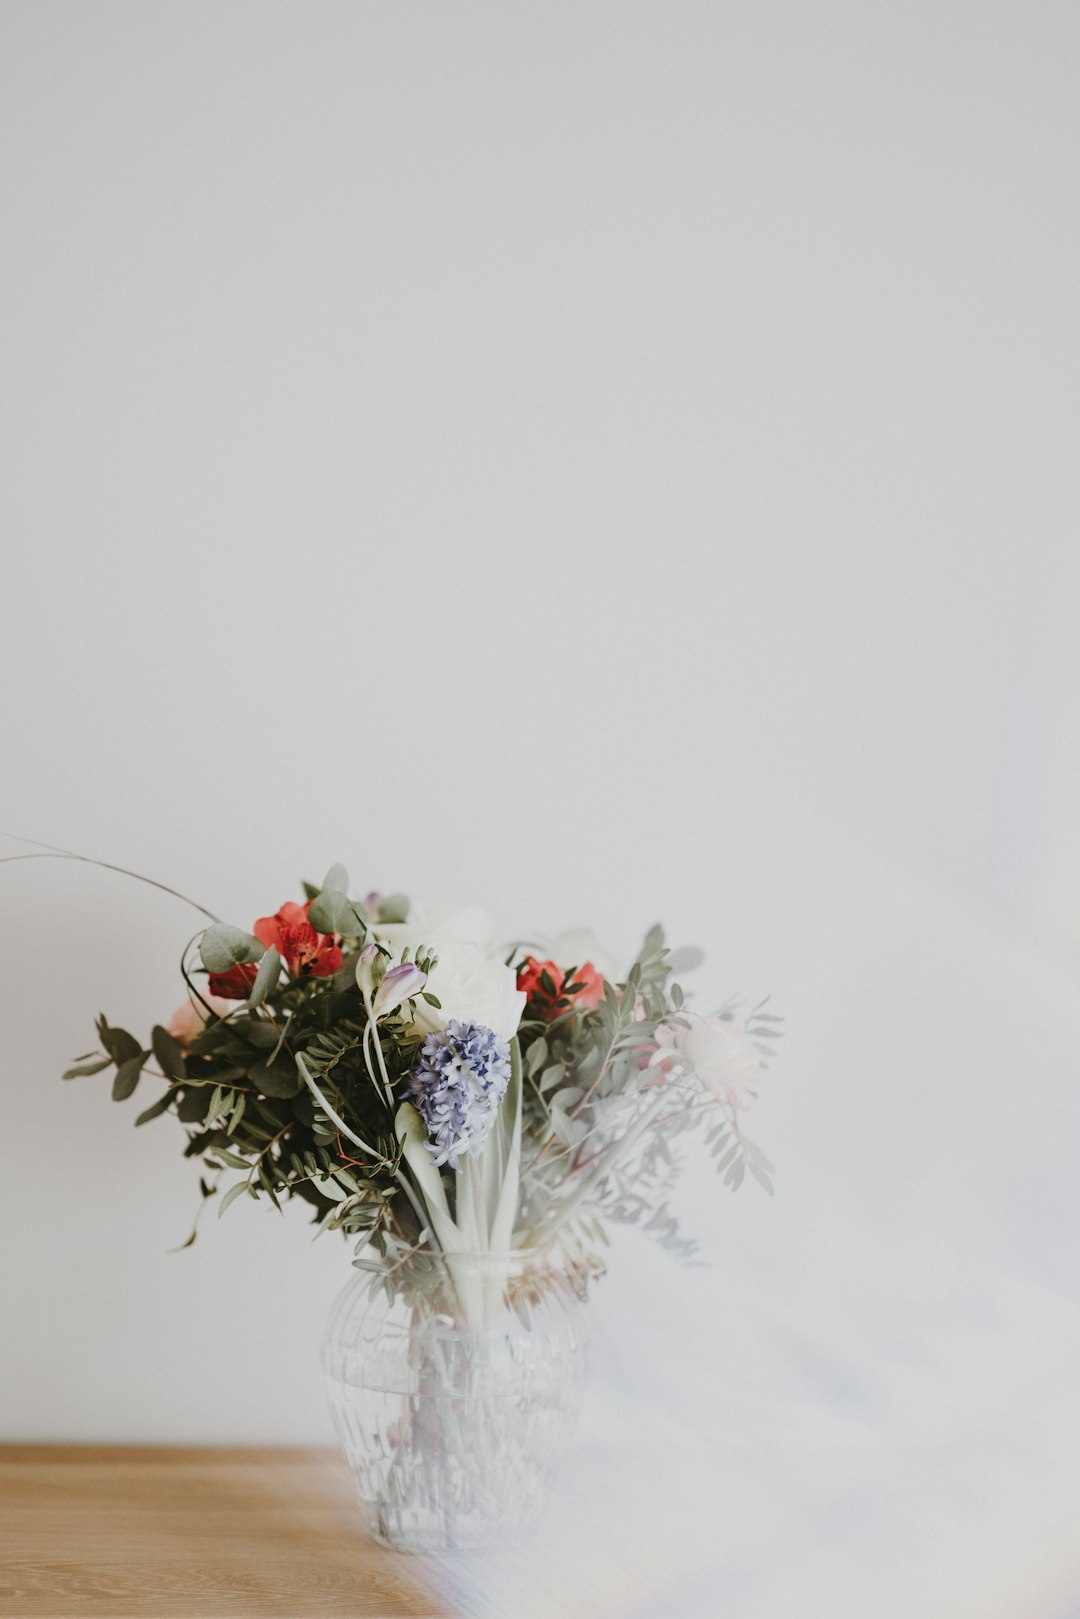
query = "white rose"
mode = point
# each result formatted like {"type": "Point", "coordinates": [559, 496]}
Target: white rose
{"type": "Point", "coordinates": [469, 980]}
{"type": "Point", "coordinates": [430, 926]}
{"type": "Point", "coordinates": [473, 988]}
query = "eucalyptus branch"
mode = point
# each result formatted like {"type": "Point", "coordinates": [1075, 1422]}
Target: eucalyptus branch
{"type": "Point", "coordinates": [600, 1166]}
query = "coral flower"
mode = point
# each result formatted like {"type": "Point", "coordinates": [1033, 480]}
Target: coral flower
{"type": "Point", "coordinates": [581, 990]}
{"type": "Point", "coordinates": [306, 953]}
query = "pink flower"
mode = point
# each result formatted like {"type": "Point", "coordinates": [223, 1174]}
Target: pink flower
{"type": "Point", "coordinates": [718, 1053]}
{"type": "Point", "coordinates": [191, 1019]}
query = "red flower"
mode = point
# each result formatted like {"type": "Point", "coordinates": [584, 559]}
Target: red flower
{"type": "Point", "coordinates": [306, 954]}
{"type": "Point", "coordinates": [552, 991]}
{"type": "Point", "coordinates": [235, 985]}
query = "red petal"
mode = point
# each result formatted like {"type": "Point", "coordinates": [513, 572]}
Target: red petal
{"type": "Point", "coordinates": [235, 985]}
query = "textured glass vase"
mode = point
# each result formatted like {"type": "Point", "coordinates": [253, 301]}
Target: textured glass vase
{"type": "Point", "coordinates": [455, 1382]}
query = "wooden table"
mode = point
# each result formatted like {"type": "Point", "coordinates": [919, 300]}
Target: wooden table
{"type": "Point", "coordinates": [133, 1532]}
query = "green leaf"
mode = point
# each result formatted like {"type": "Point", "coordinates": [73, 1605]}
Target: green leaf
{"type": "Point", "coordinates": [232, 1159]}
{"type": "Point", "coordinates": [127, 1076]}
{"type": "Point", "coordinates": [552, 1076]}
{"type": "Point", "coordinates": [334, 912]}
{"type": "Point", "coordinates": [266, 978]}
{"type": "Point", "coordinates": [330, 1188]}
{"type": "Point", "coordinates": [191, 1108]}
{"type": "Point", "coordinates": [410, 1129]}
{"type": "Point", "coordinates": [156, 1109]}
{"type": "Point", "coordinates": [167, 1053]}
{"type": "Point", "coordinates": [276, 1079]}
{"type": "Point", "coordinates": [536, 1056]}
{"type": "Point", "coordinates": [223, 946]}
{"type": "Point", "coordinates": [87, 1068]}
{"type": "Point", "coordinates": [394, 908]}
{"type": "Point", "coordinates": [230, 1196]}
{"type": "Point", "coordinates": [338, 878]}
{"type": "Point", "coordinates": [120, 1045]}
{"type": "Point", "coordinates": [258, 1032]}
{"type": "Point", "coordinates": [502, 1226]}
{"type": "Point", "coordinates": [469, 1211]}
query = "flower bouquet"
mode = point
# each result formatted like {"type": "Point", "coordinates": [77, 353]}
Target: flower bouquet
{"type": "Point", "coordinates": [471, 1119]}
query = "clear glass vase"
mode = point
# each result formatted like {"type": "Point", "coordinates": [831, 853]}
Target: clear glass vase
{"type": "Point", "coordinates": [455, 1382]}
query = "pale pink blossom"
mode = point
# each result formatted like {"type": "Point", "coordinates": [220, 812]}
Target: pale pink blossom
{"type": "Point", "coordinates": [191, 1019]}
{"type": "Point", "coordinates": [718, 1053]}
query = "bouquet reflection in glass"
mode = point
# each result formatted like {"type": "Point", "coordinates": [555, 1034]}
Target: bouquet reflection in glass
{"type": "Point", "coordinates": [472, 1118]}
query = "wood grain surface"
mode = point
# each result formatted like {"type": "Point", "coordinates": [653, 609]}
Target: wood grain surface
{"type": "Point", "coordinates": [133, 1532]}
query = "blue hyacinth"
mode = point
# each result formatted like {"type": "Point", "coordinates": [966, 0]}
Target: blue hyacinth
{"type": "Point", "coordinates": [459, 1080]}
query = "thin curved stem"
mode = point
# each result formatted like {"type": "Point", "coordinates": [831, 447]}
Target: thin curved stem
{"type": "Point", "coordinates": [357, 1141]}
{"type": "Point", "coordinates": [52, 853]}
{"type": "Point", "coordinates": [370, 1034]}
{"type": "Point", "coordinates": [384, 1163]}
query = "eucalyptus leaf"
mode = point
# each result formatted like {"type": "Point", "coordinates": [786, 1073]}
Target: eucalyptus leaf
{"type": "Point", "coordinates": [120, 1045]}
{"type": "Point", "coordinates": [87, 1068]}
{"type": "Point", "coordinates": [334, 912]}
{"type": "Point", "coordinates": [127, 1076]}
{"type": "Point", "coordinates": [394, 908]}
{"type": "Point", "coordinates": [156, 1109]}
{"type": "Point", "coordinates": [167, 1053]}
{"type": "Point", "coordinates": [266, 979]}
{"type": "Point", "coordinates": [191, 1108]}
{"type": "Point", "coordinates": [260, 1033]}
{"type": "Point", "coordinates": [337, 877]}
{"type": "Point", "coordinates": [275, 1079]}
{"type": "Point", "coordinates": [223, 946]}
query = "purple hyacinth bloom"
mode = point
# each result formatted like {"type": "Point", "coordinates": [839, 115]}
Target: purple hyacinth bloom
{"type": "Point", "coordinates": [459, 1080]}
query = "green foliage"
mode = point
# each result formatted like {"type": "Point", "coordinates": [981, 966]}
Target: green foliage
{"type": "Point", "coordinates": [127, 1076]}
{"type": "Point", "coordinates": [80, 1069]}
{"type": "Point", "coordinates": [222, 947]}
{"type": "Point", "coordinates": [167, 1053]}
{"type": "Point", "coordinates": [585, 1131]}
{"type": "Point", "coordinates": [265, 979]}
{"type": "Point", "coordinates": [332, 911]}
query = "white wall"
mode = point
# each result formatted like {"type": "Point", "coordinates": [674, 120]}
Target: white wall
{"type": "Point", "coordinates": [607, 462]}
